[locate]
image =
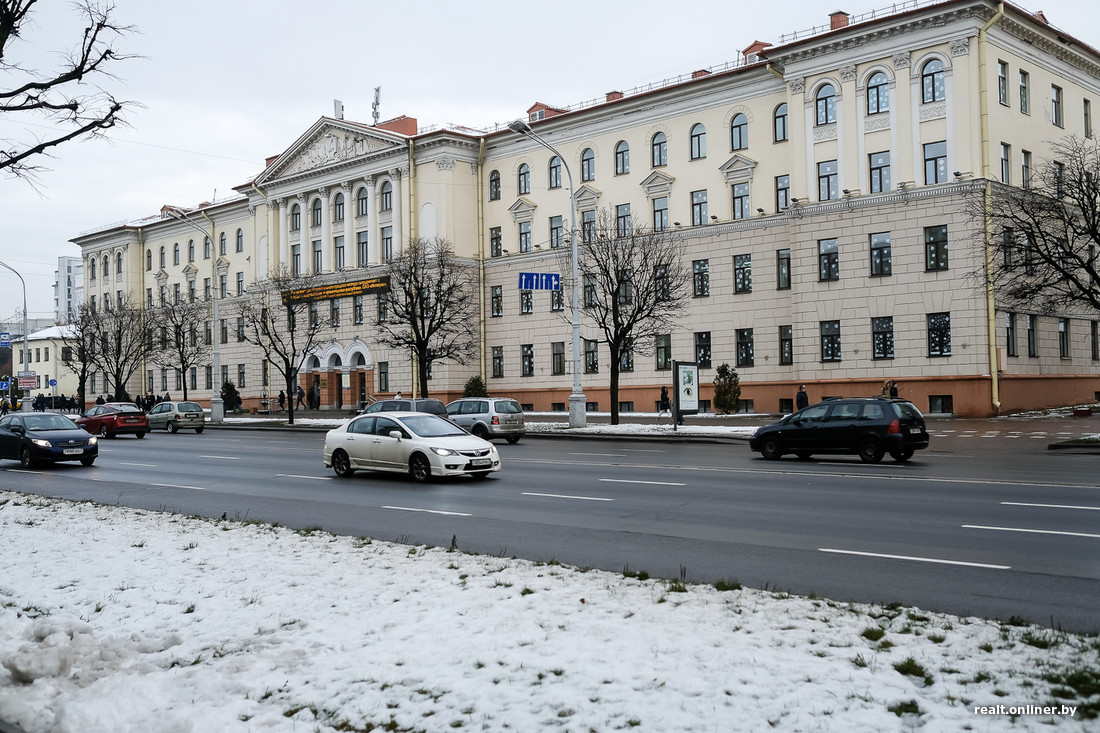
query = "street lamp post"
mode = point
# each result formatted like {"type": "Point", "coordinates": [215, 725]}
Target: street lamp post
{"type": "Point", "coordinates": [26, 344]}
{"type": "Point", "coordinates": [217, 405]}
{"type": "Point", "coordinates": [578, 416]}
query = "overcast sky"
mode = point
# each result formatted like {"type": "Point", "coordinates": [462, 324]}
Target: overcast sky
{"type": "Point", "coordinates": [223, 85]}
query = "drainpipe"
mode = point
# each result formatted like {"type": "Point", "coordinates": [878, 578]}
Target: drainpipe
{"type": "Point", "coordinates": [412, 237]}
{"type": "Point", "coordinates": [141, 269]}
{"type": "Point", "coordinates": [987, 208]}
{"type": "Point", "coordinates": [481, 255]}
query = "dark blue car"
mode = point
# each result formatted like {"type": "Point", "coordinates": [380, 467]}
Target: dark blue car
{"type": "Point", "coordinates": [45, 437]}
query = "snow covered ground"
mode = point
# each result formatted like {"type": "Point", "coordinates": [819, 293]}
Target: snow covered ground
{"type": "Point", "coordinates": [114, 620]}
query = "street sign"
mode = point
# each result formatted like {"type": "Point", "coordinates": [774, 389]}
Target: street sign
{"type": "Point", "coordinates": [53, 382]}
{"type": "Point", "coordinates": [5, 385]}
{"type": "Point", "coordinates": [5, 339]}
{"type": "Point", "coordinates": [539, 281]}
{"type": "Point", "coordinates": [27, 383]}
{"type": "Point", "coordinates": [32, 374]}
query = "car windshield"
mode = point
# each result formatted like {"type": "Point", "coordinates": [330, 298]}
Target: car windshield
{"type": "Point", "coordinates": [430, 426]}
{"type": "Point", "coordinates": [40, 423]}
{"type": "Point", "coordinates": [509, 407]}
{"type": "Point", "coordinates": [189, 407]}
{"type": "Point", "coordinates": [126, 407]}
{"type": "Point", "coordinates": [909, 410]}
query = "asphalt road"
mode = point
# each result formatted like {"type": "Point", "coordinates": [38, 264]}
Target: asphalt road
{"type": "Point", "coordinates": [991, 527]}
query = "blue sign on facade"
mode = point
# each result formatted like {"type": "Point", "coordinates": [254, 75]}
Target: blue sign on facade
{"type": "Point", "coordinates": [539, 281]}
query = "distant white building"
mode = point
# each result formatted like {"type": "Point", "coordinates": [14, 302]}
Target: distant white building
{"type": "Point", "coordinates": [68, 288]}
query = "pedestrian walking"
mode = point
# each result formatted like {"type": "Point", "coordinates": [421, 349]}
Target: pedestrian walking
{"type": "Point", "coordinates": [282, 400]}
{"type": "Point", "coordinates": [894, 389]}
{"type": "Point", "coordinates": [301, 398]}
{"type": "Point", "coordinates": [5, 405]}
{"type": "Point", "coordinates": [801, 399]}
{"type": "Point", "coordinates": [664, 405]}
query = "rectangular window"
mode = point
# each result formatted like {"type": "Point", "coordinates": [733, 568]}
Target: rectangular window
{"type": "Point", "coordinates": [828, 181]}
{"type": "Point", "coordinates": [240, 285]}
{"type": "Point", "coordinates": [626, 356]}
{"type": "Point", "coordinates": [588, 226]}
{"type": "Point", "coordinates": [383, 376]}
{"type": "Point", "coordinates": [1063, 338]}
{"type": "Point", "coordinates": [496, 246]}
{"type": "Point", "coordinates": [782, 192]}
{"type": "Point", "coordinates": [1059, 171]}
{"type": "Point", "coordinates": [357, 309]}
{"type": "Point", "coordinates": [208, 377]}
{"type": "Point", "coordinates": [742, 273]}
{"type": "Point", "coordinates": [1002, 82]}
{"type": "Point", "coordinates": [557, 357]}
{"type": "Point", "coordinates": [782, 269]}
{"type": "Point", "coordinates": [240, 375]}
{"type": "Point", "coordinates": [881, 256]}
{"type": "Point", "coordinates": [498, 362]}
{"type": "Point", "coordinates": [880, 171]}
{"type": "Point", "coordinates": [527, 360]}
{"type": "Point", "coordinates": [1056, 105]}
{"type": "Point", "coordinates": [557, 300]}
{"type": "Point", "coordinates": [591, 356]}
{"type": "Point", "coordinates": [496, 301]}
{"type": "Point", "coordinates": [525, 236]}
{"type": "Point", "coordinates": [240, 329]}
{"type": "Point", "coordinates": [786, 345]}
{"type": "Point", "coordinates": [830, 340]}
{"type": "Point", "coordinates": [194, 377]}
{"type": "Point", "coordinates": [1025, 93]}
{"type": "Point", "coordinates": [935, 248]}
{"type": "Point", "coordinates": [698, 208]}
{"type": "Point", "coordinates": [1094, 334]}
{"type": "Point", "coordinates": [622, 220]}
{"type": "Point", "coordinates": [383, 307]}
{"type": "Point", "coordinates": [334, 312]}
{"type": "Point", "coordinates": [557, 232]}
{"type": "Point", "coordinates": [338, 249]}
{"type": "Point", "coordinates": [660, 214]}
{"type": "Point", "coordinates": [664, 350]}
{"type": "Point", "coordinates": [828, 258]}
{"type": "Point", "coordinates": [744, 347]}
{"type": "Point", "coordinates": [314, 316]}
{"type": "Point", "coordinates": [1010, 334]}
{"type": "Point", "coordinates": [935, 162]}
{"type": "Point", "coordinates": [1087, 110]}
{"type": "Point", "coordinates": [223, 287]}
{"type": "Point", "coordinates": [702, 349]}
{"type": "Point", "coordinates": [882, 337]}
{"type": "Point", "coordinates": [589, 291]}
{"type": "Point", "coordinates": [265, 373]}
{"type": "Point", "coordinates": [1025, 168]}
{"type": "Point", "coordinates": [741, 208]}
{"type": "Point", "coordinates": [939, 334]}
{"type": "Point", "coordinates": [701, 278]}
{"type": "Point", "coordinates": [387, 244]}
{"type": "Point", "coordinates": [1006, 163]}
{"type": "Point", "coordinates": [223, 330]}
{"type": "Point", "coordinates": [361, 249]}
{"type": "Point", "coordinates": [164, 379]}
{"type": "Point", "coordinates": [526, 301]}
{"type": "Point", "coordinates": [318, 256]}
{"type": "Point", "coordinates": [295, 259]}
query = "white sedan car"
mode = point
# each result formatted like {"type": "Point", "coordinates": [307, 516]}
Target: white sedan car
{"type": "Point", "coordinates": [416, 443]}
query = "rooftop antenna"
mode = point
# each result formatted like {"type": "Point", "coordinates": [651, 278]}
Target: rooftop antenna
{"type": "Point", "coordinates": [374, 105]}
{"type": "Point", "coordinates": [338, 109]}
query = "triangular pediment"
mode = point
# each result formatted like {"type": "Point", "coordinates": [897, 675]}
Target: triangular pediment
{"type": "Point", "coordinates": [329, 142]}
{"type": "Point", "coordinates": [161, 277]}
{"type": "Point", "coordinates": [523, 209]}
{"type": "Point", "coordinates": [190, 271]}
{"type": "Point", "coordinates": [657, 183]}
{"type": "Point", "coordinates": [587, 197]}
{"type": "Point", "coordinates": [737, 169]}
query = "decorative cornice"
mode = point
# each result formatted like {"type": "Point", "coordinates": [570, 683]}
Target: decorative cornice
{"type": "Point", "coordinates": [933, 111]}
{"type": "Point", "coordinates": [901, 60]}
{"type": "Point", "coordinates": [848, 72]}
{"type": "Point", "coordinates": [823, 133]}
{"type": "Point", "coordinates": [876, 122]}
{"type": "Point", "coordinates": [959, 46]}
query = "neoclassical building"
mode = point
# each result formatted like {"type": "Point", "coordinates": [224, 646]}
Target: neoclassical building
{"type": "Point", "coordinates": [818, 185]}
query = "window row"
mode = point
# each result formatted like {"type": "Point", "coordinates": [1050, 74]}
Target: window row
{"type": "Point", "coordinates": [340, 258]}
{"type": "Point", "coordinates": [1023, 96]}
{"type": "Point", "coordinates": [362, 207]}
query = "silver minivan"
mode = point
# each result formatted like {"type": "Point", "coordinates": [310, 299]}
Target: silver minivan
{"type": "Point", "coordinates": [176, 415]}
{"type": "Point", "coordinates": [489, 417]}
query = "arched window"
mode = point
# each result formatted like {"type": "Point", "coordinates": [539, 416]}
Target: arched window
{"type": "Point", "coordinates": [91, 268]}
{"type": "Point", "coordinates": [622, 158]}
{"type": "Point", "coordinates": [739, 132]}
{"type": "Point", "coordinates": [148, 260]}
{"type": "Point", "coordinates": [385, 194]}
{"type": "Point", "coordinates": [494, 186]}
{"type": "Point", "coordinates": [161, 260]}
{"type": "Point", "coordinates": [878, 94]}
{"type": "Point", "coordinates": [191, 250]}
{"type": "Point", "coordinates": [931, 82]}
{"type": "Point", "coordinates": [362, 203]}
{"type": "Point", "coordinates": [555, 172]}
{"type": "Point", "coordinates": [315, 213]}
{"type": "Point", "coordinates": [660, 150]}
{"type": "Point", "coordinates": [698, 141]}
{"type": "Point", "coordinates": [207, 245]}
{"type": "Point", "coordinates": [826, 105]}
{"type": "Point", "coordinates": [118, 264]}
{"type": "Point", "coordinates": [175, 253]}
{"type": "Point", "coordinates": [338, 207]}
{"type": "Point", "coordinates": [106, 266]}
{"type": "Point", "coordinates": [295, 218]}
{"type": "Point", "coordinates": [588, 165]}
{"type": "Point", "coordinates": [524, 179]}
{"type": "Point", "coordinates": [779, 123]}
{"type": "Point", "coordinates": [240, 240]}
{"type": "Point", "coordinates": [222, 245]}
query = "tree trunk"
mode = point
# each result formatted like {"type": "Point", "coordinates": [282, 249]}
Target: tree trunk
{"type": "Point", "coordinates": [614, 383]}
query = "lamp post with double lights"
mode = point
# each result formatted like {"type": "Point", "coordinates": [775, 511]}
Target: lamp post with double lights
{"type": "Point", "coordinates": [578, 416]}
{"type": "Point", "coordinates": [217, 406]}
{"type": "Point", "coordinates": [26, 345]}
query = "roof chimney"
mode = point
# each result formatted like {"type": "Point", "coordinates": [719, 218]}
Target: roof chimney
{"type": "Point", "coordinates": [753, 51]}
{"type": "Point", "coordinates": [838, 19]}
{"type": "Point", "coordinates": [700, 73]}
{"type": "Point", "coordinates": [401, 125]}
{"type": "Point", "coordinates": [612, 96]}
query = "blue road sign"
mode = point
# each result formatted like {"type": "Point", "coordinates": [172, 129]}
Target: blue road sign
{"type": "Point", "coordinates": [5, 385]}
{"type": "Point", "coordinates": [5, 339]}
{"type": "Point", "coordinates": [539, 281]}
{"type": "Point", "coordinates": [53, 382]}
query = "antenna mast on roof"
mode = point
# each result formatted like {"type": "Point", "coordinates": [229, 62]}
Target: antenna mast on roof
{"type": "Point", "coordinates": [377, 101]}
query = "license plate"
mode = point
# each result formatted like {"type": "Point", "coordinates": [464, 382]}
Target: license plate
{"type": "Point", "coordinates": [73, 451]}
{"type": "Point", "coordinates": [481, 462]}
{"type": "Point", "coordinates": [914, 430]}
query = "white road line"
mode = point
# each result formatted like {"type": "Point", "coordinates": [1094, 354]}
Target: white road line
{"type": "Point", "coordinates": [629, 481]}
{"type": "Point", "coordinates": [916, 559]}
{"type": "Point", "coordinates": [1033, 531]}
{"type": "Point", "coordinates": [143, 465]}
{"type": "Point", "coordinates": [606, 455]}
{"type": "Point", "coordinates": [565, 496]}
{"type": "Point", "coordinates": [180, 486]}
{"type": "Point", "coordinates": [294, 475]}
{"type": "Point", "coordinates": [224, 458]}
{"type": "Point", "coordinates": [1052, 506]}
{"type": "Point", "coordinates": [644, 450]}
{"type": "Point", "coordinates": [427, 511]}
{"type": "Point", "coordinates": [22, 470]}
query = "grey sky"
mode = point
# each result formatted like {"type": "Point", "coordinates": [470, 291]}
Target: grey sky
{"type": "Point", "coordinates": [226, 84]}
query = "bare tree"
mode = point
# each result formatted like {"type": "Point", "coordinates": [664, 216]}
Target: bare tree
{"type": "Point", "coordinates": [280, 317]}
{"type": "Point", "coordinates": [77, 339]}
{"type": "Point", "coordinates": [65, 98]}
{"type": "Point", "coordinates": [119, 341]}
{"type": "Point", "coordinates": [1046, 234]}
{"type": "Point", "coordinates": [431, 308]}
{"type": "Point", "coordinates": [175, 332]}
{"type": "Point", "coordinates": [634, 288]}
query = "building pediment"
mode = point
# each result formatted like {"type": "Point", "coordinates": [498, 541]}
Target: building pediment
{"type": "Point", "coordinates": [657, 184]}
{"type": "Point", "coordinates": [190, 271]}
{"type": "Point", "coordinates": [587, 197]}
{"type": "Point", "coordinates": [522, 210]}
{"type": "Point", "coordinates": [737, 169]}
{"type": "Point", "coordinates": [329, 142]}
{"type": "Point", "coordinates": [161, 277]}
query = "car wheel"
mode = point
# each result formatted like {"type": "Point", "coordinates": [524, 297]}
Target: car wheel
{"type": "Point", "coordinates": [480, 431]}
{"type": "Point", "coordinates": [870, 450]}
{"type": "Point", "coordinates": [419, 468]}
{"type": "Point", "coordinates": [771, 449]}
{"type": "Point", "coordinates": [103, 431]}
{"type": "Point", "coordinates": [173, 426]}
{"type": "Point", "coordinates": [25, 457]}
{"type": "Point", "coordinates": [903, 455]}
{"type": "Point", "coordinates": [512, 439]}
{"type": "Point", "coordinates": [87, 461]}
{"type": "Point", "coordinates": [198, 431]}
{"type": "Point", "coordinates": [341, 464]}
{"type": "Point", "coordinates": [803, 454]}
{"type": "Point", "coordinates": [141, 435]}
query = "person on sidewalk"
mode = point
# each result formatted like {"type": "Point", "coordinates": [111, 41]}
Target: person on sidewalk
{"type": "Point", "coordinates": [301, 397]}
{"type": "Point", "coordinates": [282, 400]}
{"type": "Point", "coordinates": [664, 404]}
{"type": "Point", "coordinates": [801, 399]}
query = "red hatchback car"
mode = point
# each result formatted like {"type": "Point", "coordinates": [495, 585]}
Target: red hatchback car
{"type": "Point", "coordinates": [114, 418]}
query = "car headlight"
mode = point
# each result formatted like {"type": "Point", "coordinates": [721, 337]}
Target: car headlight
{"type": "Point", "coordinates": [42, 443]}
{"type": "Point", "coordinates": [444, 452]}
{"type": "Point", "coordinates": [93, 440]}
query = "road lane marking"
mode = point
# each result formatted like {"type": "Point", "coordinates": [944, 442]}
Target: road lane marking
{"type": "Point", "coordinates": [1052, 506]}
{"type": "Point", "coordinates": [224, 458]}
{"type": "Point", "coordinates": [916, 559]}
{"type": "Point", "coordinates": [22, 470]}
{"type": "Point", "coordinates": [605, 455]}
{"type": "Point", "coordinates": [294, 475]}
{"type": "Point", "coordinates": [427, 511]}
{"type": "Point", "coordinates": [1033, 531]}
{"type": "Point", "coordinates": [180, 486]}
{"type": "Point", "coordinates": [143, 465]}
{"type": "Point", "coordinates": [653, 483]}
{"type": "Point", "coordinates": [565, 496]}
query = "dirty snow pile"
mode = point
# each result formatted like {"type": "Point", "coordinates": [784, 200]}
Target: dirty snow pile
{"type": "Point", "coordinates": [113, 619]}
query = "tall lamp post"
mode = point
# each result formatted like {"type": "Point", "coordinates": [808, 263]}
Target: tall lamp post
{"type": "Point", "coordinates": [26, 345]}
{"type": "Point", "coordinates": [217, 406]}
{"type": "Point", "coordinates": [578, 417]}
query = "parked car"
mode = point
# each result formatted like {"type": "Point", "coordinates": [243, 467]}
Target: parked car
{"type": "Point", "coordinates": [429, 405]}
{"type": "Point", "coordinates": [416, 443]}
{"type": "Point", "coordinates": [45, 437]}
{"type": "Point", "coordinates": [114, 418]}
{"type": "Point", "coordinates": [173, 416]}
{"type": "Point", "coordinates": [868, 426]}
{"type": "Point", "coordinates": [489, 417]}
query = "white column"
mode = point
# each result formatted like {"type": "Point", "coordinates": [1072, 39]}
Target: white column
{"type": "Point", "coordinates": [326, 226]}
{"type": "Point", "coordinates": [372, 223]}
{"type": "Point", "coordinates": [351, 248]}
{"type": "Point", "coordinates": [304, 262]}
{"type": "Point", "coordinates": [398, 200]}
